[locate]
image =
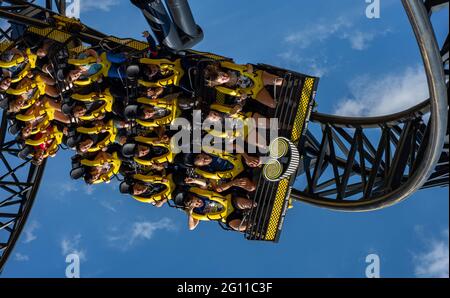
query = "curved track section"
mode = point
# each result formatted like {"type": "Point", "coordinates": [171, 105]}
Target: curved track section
{"type": "Point", "coordinates": [363, 164]}
{"type": "Point", "coordinates": [19, 183]}
{"type": "Point", "coordinates": [19, 179]}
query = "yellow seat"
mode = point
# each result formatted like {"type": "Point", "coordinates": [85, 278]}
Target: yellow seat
{"type": "Point", "coordinates": [165, 65]}
{"type": "Point", "coordinates": [162, 195]}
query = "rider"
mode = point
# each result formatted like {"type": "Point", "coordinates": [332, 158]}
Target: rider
{"type": "Point", "coordinates": [242, 81]}
{"type": "Point", "coordinates": [206, 205]}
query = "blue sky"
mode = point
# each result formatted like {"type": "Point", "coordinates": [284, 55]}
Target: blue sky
{"type": "Point", "coordinates": [367, 67]}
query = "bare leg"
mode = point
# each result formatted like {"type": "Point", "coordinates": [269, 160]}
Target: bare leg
{"type": "Point", "coordinates": [60, 117]}
{"type": "Point", "coordinates": [47, 80]}
{"type": "Point", "coordinates": [264, 124]}
{"type": "Point", "coordinates": [51, 91]}
{"type": "Point", "coordinates": [237, 225]}
{"type": "Point", "coordinates": [245, 184]}
{"type": "Point", "coordinates": [265, 98]}
{"type": "Point", "coordinates": [53, 104]}
{"type": "Point", "coordinates": [255, 138]}
{"type": "Point", "coordinates": [270, 79]}
{"type": "Point", "coordinates": [244, 203]}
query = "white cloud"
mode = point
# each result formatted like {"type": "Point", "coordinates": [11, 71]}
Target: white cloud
{"type": "Point", "coordinates": [104, 5]}
{"type": "Point", "coordinates": [319, 32]}
{"type": "Point", "coordinates": [312, 65]}
{"type": "Point", "coordinates": [88, 189]}
{"type": "Point", "coordinates": [21, 257]}
{"type": "Point", "coordinates": [139, 231]}
{"type": "Point", "coordinates": [360, 40]}
{"type": "Point", "coordinates": [71, 245]}
{"type": "Point", "coordinates": [305, 48]}
{"type": "Point", "coordinates": [388, 94]}
{"type": "Point", "coordinates": [341, 28]}
{"type": "Point", "coordinates": [108, 206]}
{"type": "Point", "coordinates": [435, 261]}
{"type": "Point", "coordinates": [67, 187]}
{"type": "Point", "coordinates": [29, 232]}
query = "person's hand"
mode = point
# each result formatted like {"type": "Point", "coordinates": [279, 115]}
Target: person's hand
{"type": "Point", "coordinates": [249, 68]}
{"type": "Point", "coordinates": [122, 140]}
{"type": "Point", "coordinates": [146, 34]}
{"type": "Point", "coordinates": [189, 180]}
{"type": "Point", "coordinates": [158, 167]}
{"type": "Point", "coordinates": [151, 93]}
{"type": "Point", "coordinates": [165, 139]}
{"type": "Point", "coordinates": [252, 161]}
{"type": "Point", "coordinates": [243, 96]}
{"type": "Point", "coordinates": [38, 103]}
{"type": "Point", "coordinates": [236, 109]}
{"type": "Point", "coordinates": [190, 207]}
{"type": "Point", "coordinates": [243, 183]}
{"type": "Point", "coordinates": [219, 188]}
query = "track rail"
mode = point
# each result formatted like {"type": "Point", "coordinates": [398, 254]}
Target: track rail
{"type": "Point", "coordinates": [363, 164]}
{"type": "Point", "coordinates": [19, 179]}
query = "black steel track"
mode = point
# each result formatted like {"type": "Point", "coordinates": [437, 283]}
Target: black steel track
{"type": "Point", "coordinates": [367, 163]}
{"type": "Point", "coordinates": [19, 179]}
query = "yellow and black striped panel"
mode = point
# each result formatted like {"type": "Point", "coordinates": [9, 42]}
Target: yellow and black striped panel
{"type": "Point", "coordinates": [220, 98]}
{"type": "Point", "coordinates": [51, 33]}
{"type": "Point", "coordinates": [277, 210]}
{"type": "Point", "coordinates": [302, 111]}
{"type": "Point", "coordinates": [209, 55]}
{"type": "Point", "coordinates": [78, 50]}
{"type": "Point", "coordinates": [66, 21]}
{"type": "Point", "coordinates": [4, 46]}
{"type": "Point", "coordinates": [131, 43]}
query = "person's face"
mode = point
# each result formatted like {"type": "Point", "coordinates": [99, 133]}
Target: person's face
{"type": "Point", "coordinates": [152, 70]}
{"type": "Point", "coordinates": [139, 189]}
{"type": "Point", "coordinates": [5, 84]}
{"type": "Point", "coordinates": [75, 74]}
{"type": "Point", "coordinates": [223, 77]}
{"type": "Point", "coordinates": [95, 173]}
{"type": "Point", "coordinates": [195, 203]}
{"type": "Point", "coordinates": [213, 116]}
{"type": "Point", "coordinates": [149, 113]}
{"type": "Point", "coordinates": [151, 92]}
{"type": "Point", "coordinates": [41, 53]}
{"type": "Point", "coordinates": [26, 131]}
{"type": "Point", "coordinates": [16, 105]}
{"type": "Point", "coordinates": [86, 145]}
{"type": "Point", "coordinates": [202, 160]}
{"type": "Point", "coordinates": [79, 111]}
{"type": "Point", "coordinates": [158, 167]}
{"type": "Point", "coordinates": [142, 150]}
